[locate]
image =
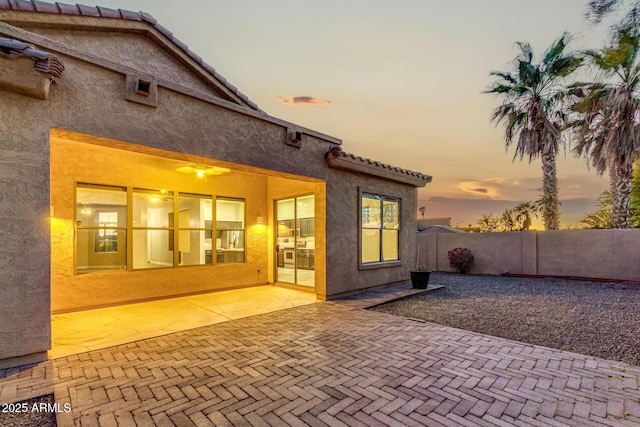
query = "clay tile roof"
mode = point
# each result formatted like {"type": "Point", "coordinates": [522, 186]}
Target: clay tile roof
{"type": "Point", "coordinates": [103, 12]}
{"type": "Point", "coordinates": [22, 5]}
{"type": "Point", "coordinates": [342, 160]}
{"type": "Point", "coordinates": [129, 15]}
{"type": "Point", "coordinates": [67, 9]}
{"type": "Point", "coordinates": [88, 10]}
{"type": "Point", "coordinates": [46, 7]}
{"type": "Point", "coordinates": [109, 13]}
{"type": "Point", "coordinates": [45, 62]}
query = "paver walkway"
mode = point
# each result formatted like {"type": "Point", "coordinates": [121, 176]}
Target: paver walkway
{"type": "Point", "coordinates": [335, 364]}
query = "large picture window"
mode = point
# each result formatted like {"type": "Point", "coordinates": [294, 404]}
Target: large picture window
{"type": "Point", "coordinates": [136, 228]}
{"type": "Point", "coordinates": [380, 227]}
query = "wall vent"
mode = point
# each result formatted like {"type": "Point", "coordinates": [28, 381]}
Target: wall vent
{"type": "Point", "coordinates": [143, 87]}
{"type": "Point", "coordinates": [294, 138]}
{"type": "Point", "coordinates": [142, 90]}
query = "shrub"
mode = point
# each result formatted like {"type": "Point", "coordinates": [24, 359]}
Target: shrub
{"type": "Point", "coordinates": [461, 259]}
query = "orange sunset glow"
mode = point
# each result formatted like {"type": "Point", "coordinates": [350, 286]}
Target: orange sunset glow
{"type": "Point", "coordinates": [400, 82]}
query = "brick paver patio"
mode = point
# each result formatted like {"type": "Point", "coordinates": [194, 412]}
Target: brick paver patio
{"type": "Point", "coordinates": [334, 364]}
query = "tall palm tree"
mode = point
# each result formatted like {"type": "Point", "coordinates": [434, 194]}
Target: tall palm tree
{"type": "Point", "coordinates": [608, 129]}
{"type": "Point", "coordinates": [635, 196]}
{"type": "Point", "coordinates": [531, 111]}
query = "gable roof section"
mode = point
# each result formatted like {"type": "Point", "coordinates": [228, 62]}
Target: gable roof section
{"type": "Point", "coordinates": [107, 13]}
{"type": "Point", "coordinates": [338, 159]}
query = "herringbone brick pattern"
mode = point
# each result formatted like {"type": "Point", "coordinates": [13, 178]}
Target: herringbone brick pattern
{"type": "Point", "coordinates": [332, 364]}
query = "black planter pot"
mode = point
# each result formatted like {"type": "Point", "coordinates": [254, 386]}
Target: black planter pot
{"type": "Point", "coordinates": [420, 279]}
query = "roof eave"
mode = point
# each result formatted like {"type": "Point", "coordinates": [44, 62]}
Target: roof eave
{"type": "Point", "coordinates": [351, 163]}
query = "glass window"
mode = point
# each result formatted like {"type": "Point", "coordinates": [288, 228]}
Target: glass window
{"type": "Point", "coordinates": [156, 234]}
{"type": "Point", "coordinates": [230, 235]}
{"type": "Point", "coordinates": [101, 219]}
{"type": "Point", "coordinates": [195, 234]}
{"type": "Point", "coordinates": [380, 227]}
{"type": "Point", "coordinates": [152, 234]}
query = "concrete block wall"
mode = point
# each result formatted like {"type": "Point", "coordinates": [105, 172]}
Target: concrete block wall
{"type": "Point", "coordinates": [601, 254]}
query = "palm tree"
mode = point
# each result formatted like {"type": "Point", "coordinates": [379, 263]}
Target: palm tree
{"type": "Point", "coordinates": [635, 196]}
{"type": "Point", "coordinates": [523, 212]}
{"type": "Point", "coordinates": [601, 218]}
{"type": "Point", "coordinates": [608, 129]}
{"type": "Point", "coordinates": [507, 221]}
{"type": "Point", "coordinates": [597, 10]}
{"type": "Point", "coordinates": [422, 210]}
{"type": "Point", "coordinates": [531, 111]}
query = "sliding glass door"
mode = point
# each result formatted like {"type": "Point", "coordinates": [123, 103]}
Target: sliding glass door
{"type": "Point", "coordinates": [295, 240]}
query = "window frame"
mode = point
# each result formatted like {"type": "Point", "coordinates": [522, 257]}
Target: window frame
{"type": "Point", "coordinates": [378, 264]}
{"type": "Point", "coordinates": [169, 228]}
{"type": "Point", "coordinates": [210, 230]}
{"type": "Point", "coordinates": [218, 230]}
{"type": "Point", "coordinates": [96, 229]}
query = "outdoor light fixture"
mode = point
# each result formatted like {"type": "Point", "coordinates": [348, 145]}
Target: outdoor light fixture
{"type": "Point", "coordinates": [203, 170]}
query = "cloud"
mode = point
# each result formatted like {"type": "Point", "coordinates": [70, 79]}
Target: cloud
{"type": "Point", "coordinates": [303, 100]}
{"type": "Point", "coordinates": [493, 188]}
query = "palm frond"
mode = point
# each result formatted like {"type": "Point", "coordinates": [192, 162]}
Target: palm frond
{"type": "Point", "coordinates": [556, 50]}
{"type": "Point", "coordinates": [526, 53]}
{"type": "Point", "coordinates": [505, 76]}
{"type": "Point", "coordinates": [562, 67]}
{"type": "Point", "coordinates": [598, 9]}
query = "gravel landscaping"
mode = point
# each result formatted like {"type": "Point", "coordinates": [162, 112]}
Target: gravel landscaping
{"type": "Point", "coordinates": [25, 414]}
{"type": "Point", "coordinates": [593, 318]}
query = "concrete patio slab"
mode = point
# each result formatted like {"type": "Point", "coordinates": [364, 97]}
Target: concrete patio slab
{"type": "Point", "coordinates": [336, 364]}
{"type": "Point", "coordinates": [87, 330]}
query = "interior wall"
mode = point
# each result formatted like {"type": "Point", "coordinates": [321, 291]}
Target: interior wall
{"type": "Point", "coordinates": [73, 162]}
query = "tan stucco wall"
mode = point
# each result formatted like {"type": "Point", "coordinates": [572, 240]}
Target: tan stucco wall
{"type": "Point", "coordinates": [89, 99]}
{"type": "Point", "coordinates": [24, 231]}
{"type": "Point", "coordinates": [604, 254]}
{"type": "Point", "coordinates": [142, 54]}
{"type": "Point", "coordinates": [73, 162]}
{"type": "Point", "coordinates": [343, 256]}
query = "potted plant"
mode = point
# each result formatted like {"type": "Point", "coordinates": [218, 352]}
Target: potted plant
{"type": "Point", "coordinates": [420, 274]}
{"type": "Point", "coordinates": [461, 259]}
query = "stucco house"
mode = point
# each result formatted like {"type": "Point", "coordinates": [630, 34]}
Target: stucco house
{"type": "Point", "coordinates": [131, 170]}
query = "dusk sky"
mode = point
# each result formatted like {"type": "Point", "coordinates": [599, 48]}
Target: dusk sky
{"type": "Point", "coordinates": [400, 82]}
